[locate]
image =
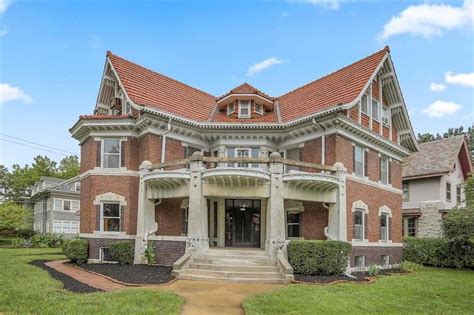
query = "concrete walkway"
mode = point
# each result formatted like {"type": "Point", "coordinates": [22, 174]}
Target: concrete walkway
{"type": "Point", "coordinates": [200, 297]}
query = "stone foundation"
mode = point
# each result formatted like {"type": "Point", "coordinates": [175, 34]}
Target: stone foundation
{"type": "Point", "coordinates": [430, 221]}
{"type": "Point", "coordinates": [96, 243]}
{"type": "Point", "coordinates": [373, 254]}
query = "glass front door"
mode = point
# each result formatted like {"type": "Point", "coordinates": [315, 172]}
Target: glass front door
{"type": "Point", "coordinates": [242, 224]}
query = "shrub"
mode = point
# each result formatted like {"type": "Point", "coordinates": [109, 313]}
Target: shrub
{"type": "Point", "coordinates": [439, 252]}
{"type": "Point", "coordinates": [150, 254]}
{"type": "Point", "coordinates": [76, 250]}
{"type": "Point", "coordinates": [319, 257]}
{"type": "Point", "coordinates": [410, 266]}
{"type": "Point", "coordinates": [373, 270]}
{"type": "Point", "coordinates": [122, 252]}
{"type": "Point", "coordinates": [47, 240]}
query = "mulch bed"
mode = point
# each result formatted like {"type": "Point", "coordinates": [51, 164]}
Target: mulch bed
{"type": "Point", "coordinates": [134, 274]}
{"type": "Point", "coordinates": [360, 276]}
{"type": "Point", "coordinates": [69, 283]}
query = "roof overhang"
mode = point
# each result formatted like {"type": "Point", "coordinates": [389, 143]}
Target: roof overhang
{"type": "Point", "coordinates": [267, 103]}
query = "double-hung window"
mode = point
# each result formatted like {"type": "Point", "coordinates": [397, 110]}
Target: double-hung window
{"type": "Point", "coordinates": [375, 110]}
{"type": "Point", "coordinates": [259, 109]}
{"type": "Point", "coordinates": [244, 109]}
{"type": "Point", "coordinates": [448, 192]}
{"type": "Point", "coordinates": [111, 217]}
{"type": "Point", "coordinates": [293, 224]}
{"type": "Point", "coordinates": [359, 224]}
{"type": "Point", "coordinates": [230, 108]}
{"type": "Point", "coordinates": [65, 205]}
{"type": "Point", "coordinates": [458, 194]}
{"type": "Point", "coordinates": [364, 104]}
{"type": "Point", "coordinates": [111, 153]}
{"type": "Point", "coordinates": [406, 192]}
{"type": "Point", "coordinates": [384, 163]}
{"type": "Point", "coordinates": [359, 161]}
{"type": "Point", "coordinates": [410, 227]}
{"type": "Point", "coordinates": [384, 227]}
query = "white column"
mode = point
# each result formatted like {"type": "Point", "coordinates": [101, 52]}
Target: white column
{"type": "Point", "coordinates": [212, 213]}
{"type": "Point", "coordinates": [275, 209]}
{"type": "Point", "coordinates": [197, 220]}
{"type": "Point", "coordinates": [221, 222]}
{"type": "Point", "coordinates": [146, 223]}
{"type": "Point", "coordinates": [341, 173]}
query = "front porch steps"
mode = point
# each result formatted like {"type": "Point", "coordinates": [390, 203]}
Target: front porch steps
{"type": "Point", "coordinates": [234, 265]}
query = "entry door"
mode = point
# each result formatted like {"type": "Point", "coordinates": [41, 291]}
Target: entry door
{"type": "Point", "coordinates": [243, 219]}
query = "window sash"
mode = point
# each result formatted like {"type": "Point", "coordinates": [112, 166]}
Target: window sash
{"type": "Point", "coordinates": [111, 150]}
{"type": "Point", "coordinates": [111, 221]}
{"type": "Point", "coordinates": [230, 108]}
{"type": "Point", "coordinates": [364, 104]}
{"type": "Point", "coordinates": [458, 194]}
{"type": "Point", "coordinates": [411, 227]}
{"type": "Point", "coordinates": [384, 227]}
{"type": "Point", "coordinates": [359, 225]}
{"type": "Point", "coordinates": [405, 192]}
{"type": "Point", "coordinates": [448, 191]}
{"type": "Point", "coordinates": [359, 161]}
{"type": "Point", "coordinates": [244, 109]}
{"type": "Point", "coordinates": [375, 110]}
{"type": "Point", "coordinates": [384, 170]}
{"type": "Point", "coordinates": [259, 109]}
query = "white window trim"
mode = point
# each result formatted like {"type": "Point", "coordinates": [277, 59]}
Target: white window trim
{"type": "Point", "coordinates": [450, 191]}
{"type": "Point", "coordinates": [230, 109]}
{"type": "Point", "coordinates": [102, 147]}
{"type": "Point", "coordinates": [249, 150]}
{"type": "Point", "coordinates": [102, 217]}
{"type": "Point", "coordinates": [359, 205]}
{"type": "Point", "coordinates": [364, 152]}
{"type": "Point", "coordinates": [368, 107]}
{"type": "Point", "coordinates": [62, 226]}
{"type": "Point", "coordinates": [288, 211]}
{"type": "Point", "coordinates": [260, 110]}
{"type": "Point", "coordinates": [62, 205]}
{"type": "Point", "coordinates": [378, 110]}
{"type": "Point", "coordinates": [77, 184]}
{"type": "Point", "coordinates": [249, 110]}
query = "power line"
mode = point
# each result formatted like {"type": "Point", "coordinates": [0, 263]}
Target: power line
{"type": "Point", "coordinates": [36, 143]}
{"type": "Point", "coordinates": [38, 148]}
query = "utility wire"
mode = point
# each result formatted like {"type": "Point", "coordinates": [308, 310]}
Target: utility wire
{"type": "Point", "coordinates": [30, 146]}
{"type": "Point", "coordinates": [36, 143]}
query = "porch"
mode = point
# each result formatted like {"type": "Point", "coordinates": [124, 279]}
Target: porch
{"type": "Point", "coordinates": [210, 205]}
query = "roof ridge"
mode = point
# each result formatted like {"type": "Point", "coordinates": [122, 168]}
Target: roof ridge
{"type": "Point", "coordinates": [386, 49]}
{"type": "Point", "coordinates": [444, 139]}
{"type": "Point", "coordinates": [109, 54]}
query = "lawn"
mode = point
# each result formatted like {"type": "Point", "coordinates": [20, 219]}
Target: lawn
{"type": "Point", "coordinates": [27, 289]}
{"type": "Point", "coordinates": [431, 290]}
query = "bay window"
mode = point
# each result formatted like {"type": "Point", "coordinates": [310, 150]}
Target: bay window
{"type": "Point", "coordinates": [110, 153]}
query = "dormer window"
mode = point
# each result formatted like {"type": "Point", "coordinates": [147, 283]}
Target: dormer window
{"type": "Point", "coordinates": [259, 109]}
{"type": "Point", "coordinates": [230, 108]}
{"type": "Point", "coordinates": [244, 109]}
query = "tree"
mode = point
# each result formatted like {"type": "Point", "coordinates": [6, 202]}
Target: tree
{"type": "Point", "coordinates": [14, 217]}
{"type": "Point", "coordinates": [69, 167]}
{"type": "Point", "coordinates": [17, 182]}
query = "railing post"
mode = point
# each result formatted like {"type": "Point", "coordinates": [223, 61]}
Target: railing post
{"type": "Point", "coordinates": [198, 239]}
{"type": "Point", "coordinates": [275, 208]}
{"type": "Point", "coordinates": [341, 174]}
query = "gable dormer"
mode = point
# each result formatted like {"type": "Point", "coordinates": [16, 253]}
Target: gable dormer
{"type": "Point", "coordinates": [245, 102]}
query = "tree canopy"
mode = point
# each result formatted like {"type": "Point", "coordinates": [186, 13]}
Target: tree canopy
{"type": "Point", "coordinates": [16, 182]}
{"type": "Point", "coordinates": [14, 217]}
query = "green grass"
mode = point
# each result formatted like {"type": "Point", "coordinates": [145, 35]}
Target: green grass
{"type": "Point", "coordinates": [431, 290]}
{"type": "Point", "coordinates": [25, 289]}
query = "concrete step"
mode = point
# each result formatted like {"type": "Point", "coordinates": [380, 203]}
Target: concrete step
{"type": "Point", "coordinates": [231, 262]}
{"type": "Point", "coordinates": [239, 267]}
{"type": "Point", "coordinates": [240, 280]}
{"type": "Point", "coordinates": [236, 252]}
{"type": "Point", "coordinates": [236, 257]}
{"type": "Point", "coordinates": [232, 274]}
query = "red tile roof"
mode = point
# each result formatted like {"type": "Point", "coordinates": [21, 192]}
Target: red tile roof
{"type": "Point", "coordinates": [151, 89]}
{"type": "Point", "coordinates": [339, 87]}
{"type": "Point", "coordinates": [148, 88]}
{"type": "Point", "coordinates": [246, 88]}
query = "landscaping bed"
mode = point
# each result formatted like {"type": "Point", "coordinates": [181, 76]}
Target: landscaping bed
{"type": "Point", "coordinates": [69, 283]}
{"type": "Point", "coordinates": [133, 274]}
{"type": "Point", "coordinates": [328, 279]}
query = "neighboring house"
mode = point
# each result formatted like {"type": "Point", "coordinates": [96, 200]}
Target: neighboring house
{"type": "Point", "coordinates": [56, 205]}
{"type": "Point", "coordinates": [433, 181]}
{"type": "Point", "coordinates": [192, 172]}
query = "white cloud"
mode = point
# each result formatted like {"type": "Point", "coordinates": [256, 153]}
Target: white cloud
{"type": "Point", "coordinates": [463, 79]}
{"type": "Point", "coordinates": [429, 19]}
{"type": "Point", "coordinates": [441, 108]}
{"type": "Point", "coordinates": [10, 93]}
{"type": "Point", "coordinates": [256, 68]}
{"type": "Point", "coordinates": [437, 87]}
{"type": "Point", "coordinates": [330, 4]}
{"type": "Point", "coordinates": [4, 4]}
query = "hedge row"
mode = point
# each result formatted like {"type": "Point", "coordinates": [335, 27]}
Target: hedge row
{"type": "Point", "coordinates": [319, 257]}
{"type": "Point", "coordinates": [439, 252]}
{"type": "Point", "coordinates": [77, 251]}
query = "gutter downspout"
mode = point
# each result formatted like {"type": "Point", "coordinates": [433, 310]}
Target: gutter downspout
{"type": "Point", "coordinates": [163, 141]}
{"type": "Point", "coordinates": [323, 142]}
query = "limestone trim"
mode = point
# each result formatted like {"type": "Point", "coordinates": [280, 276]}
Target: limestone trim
{"type": "Point", "coordinates": [359, 204]}
{"type": "Point", "coordinates": [168, 238]}
{"type": "Point", "coordinates": [97, 171]}
{"type": "Point", "coordinates": [107, 236]}
{"type": "Point", "coordinates": [385, 209]}
{"type": "Point", "coordinates": [375, 244]}
{"type": "Point", "coordinates": [373, 184]}
{"type": "Point", "coordinates": [109, 197]}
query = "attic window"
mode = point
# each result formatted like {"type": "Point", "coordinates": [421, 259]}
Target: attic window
{"type": "Point", "coordinates": [230, 108]}
{"type": "Point", "coordinates": [259, 109]}
{"type": "Point", "coordinates": [244, 109]}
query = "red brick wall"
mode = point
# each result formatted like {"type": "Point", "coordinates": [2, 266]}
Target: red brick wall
{"type": "Point", "coordinates": [150, 149]}
{"type": "Point", "coordinates": [169, 217]}
{"type": "Point", "coordinates": [311, 152]}
{"type": "Point", "coordinates": [88, 155]}
{"type": "Point", "coordinates": [386, 132]}
{"type": "Point", "coordinates": [91, 186]}
{"type": "Point", "coordinates": [344, 153]}
{"type": "Point", "coordinates": [365, 120]}
{"type": "Point", "coordinates": [396, 174]}
{"type": "Point", "coordinates": [375, 90]}
{"type": "Point", "coordinates": [394, 134]}
{"type": "Point", "coordinates": [375, 126]}
{"type": "Point", "coordinates": [374, 198]}
{"type": "Point", "coordinates": [331, 149]}
{"type": "Point", "coordinates": [314, 219]}
{"type": "Point", "coordinates": [373, 167]}
{"type": "Point", "coordinates": [354, 113]}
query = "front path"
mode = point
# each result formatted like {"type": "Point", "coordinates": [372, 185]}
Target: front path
{"type": "Point", "coordinates": [200, 297]}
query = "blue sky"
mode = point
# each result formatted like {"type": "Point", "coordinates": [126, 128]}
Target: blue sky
{"type": "Point", "coordinates": [52, 55]}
